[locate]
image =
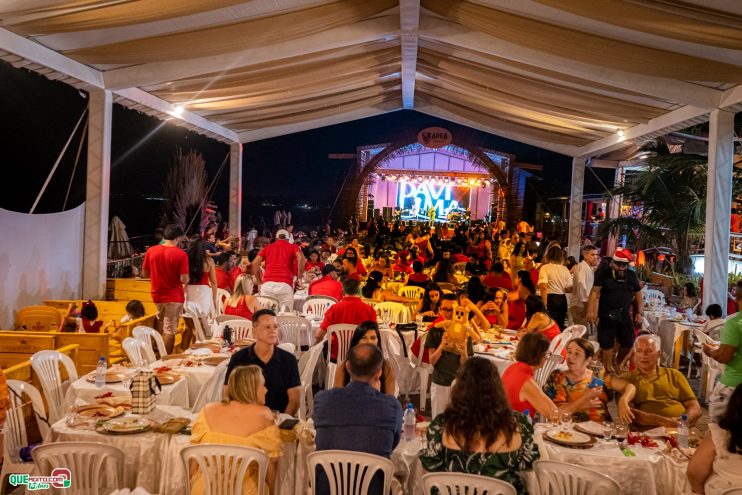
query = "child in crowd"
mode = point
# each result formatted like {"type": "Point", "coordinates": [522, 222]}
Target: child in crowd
{"type": "Point", "coordinates": [134, 310]}
{"type": "Point", "coordinates": [89, 322]}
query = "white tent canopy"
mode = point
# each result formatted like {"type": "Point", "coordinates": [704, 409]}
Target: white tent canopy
{"type": "Point", "coordinates": [581, 78]}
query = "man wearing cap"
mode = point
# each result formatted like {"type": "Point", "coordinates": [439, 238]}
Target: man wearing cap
{"type": "Point", "coordinates": [328, 284]}
{"type": "Point", "coordinates": [278, 279]}
{"type": "Point", "coordinates": [613, 290]}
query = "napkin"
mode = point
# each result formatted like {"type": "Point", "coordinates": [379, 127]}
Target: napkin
{"type": "Point", "coordinates": [121, 400]}
{"type": "Point", "coordinates": [660, 431]}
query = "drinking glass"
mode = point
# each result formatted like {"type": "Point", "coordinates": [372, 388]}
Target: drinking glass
{"type": "Point", "coordinates": [607, 431]}
{"type": "Point", "coordinates": [126, 379]}
{"type": "Point", "coordinates": [554, 418]}
{"type": "Point", "coordinates": [566, 418]}
{"type": "Point", "coordinates": [622, 432]}
{"type": "Point", "coordinates": [70, 416]}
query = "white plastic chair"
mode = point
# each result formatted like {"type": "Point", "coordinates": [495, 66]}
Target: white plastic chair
{"type": "Point", "coordinates": [542, 374]}
{"type": "Point", "coordinates": [392, 353]}
{"type": "Point", "coordinates": [317, 305]}
{"type": "Point", "coordinates": [344, 333]}
{"type": "Point", "coordinates": [287, 346]}
{"type": "Point", "coordinates": [653, 295]}
{"type": "Point", "coordinates": [713, 367]}
{"type": "Point", "coordinates": [241, 329]}
{"type": "Point", "coordinates": [563, 478]}
{"type": "Point", "coordinates": [349, 473]}
{"type": "Point", "coordinates": [46, 366]}
{"type": "Point", "coordinates": [423, 369]}
{"type": "Point", "coordinates": [90, 463]}
{"type": "Point", "coordinates": [393, 312]}
{"type": "Point", "coordinates": [460, 483]}
{"type": "Point", "coordinates": [307, 365]}
{"type": "Point", "coordinates": [146, 335]}
{"type": "Point", "coordinates": [211, 390]}
{"type": "Point", "coordinates": [198, 329]}
{"type": "Point", "coordinates": [223, 318]}
{"type": "Point", "coordinates": [221, 300]}
{"type": "Point", "coordinates": [411, 292]}
{"type": "Point", "coordinates": [559, 342]}
{"type": "Point", "coordinates": [295, 329]}
{"type": "Point", "coordinates": [224, 467]}
{"type": "Point", "coordinates": [137, 352]}
{"type": "Point", "coordinates": [16, 436]}
{"type": "Point", "coordinates": [268, 302]}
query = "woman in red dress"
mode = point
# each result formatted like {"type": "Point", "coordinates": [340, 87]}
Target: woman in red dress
{"type": "Point", "coordinates": [242, 302]}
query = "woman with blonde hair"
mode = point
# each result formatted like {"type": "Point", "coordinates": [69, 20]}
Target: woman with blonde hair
{"type": "Point", "coordinates": [242, 302]}
{"type": "Point", "coordinates": [241, 418]}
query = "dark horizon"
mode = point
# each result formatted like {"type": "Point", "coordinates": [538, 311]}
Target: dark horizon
{"type": "Point", "coordinates": [292, 170]}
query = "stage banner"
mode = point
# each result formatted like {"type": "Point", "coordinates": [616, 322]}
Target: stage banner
{"type": "Point", "coordinates": [415, 200]}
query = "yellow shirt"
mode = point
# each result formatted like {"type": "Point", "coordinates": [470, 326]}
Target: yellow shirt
{"type": "Point", "coordinates": [664, 394]}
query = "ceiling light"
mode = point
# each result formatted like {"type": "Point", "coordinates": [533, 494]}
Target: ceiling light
{"type": "Point", "coordinates": [620, 133]}
{"type": "Point", "coordinates": [178, 110]}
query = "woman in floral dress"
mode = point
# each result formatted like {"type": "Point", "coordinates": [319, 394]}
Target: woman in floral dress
{"type": "Point", "coordinates": [478, 433]}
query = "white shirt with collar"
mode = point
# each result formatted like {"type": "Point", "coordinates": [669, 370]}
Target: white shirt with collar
{"type": "Point", "coordinates": [582, 283]}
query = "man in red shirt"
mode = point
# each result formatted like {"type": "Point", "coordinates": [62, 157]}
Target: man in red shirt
{"type": "Point", "coordinates": [278, 279]}
{"type": "Point", "coordinates": [328, 284]}
{"type": "Point", "coordinates": [167, 267]}
{"type": "Point", "coordinates": [350, 310]}
{"type": "Point", "coordinates": [498, 278]}
{"type": "Point", "coordinates": [735, 222]}
{"type": "Point", "coordinates": [227, 271]}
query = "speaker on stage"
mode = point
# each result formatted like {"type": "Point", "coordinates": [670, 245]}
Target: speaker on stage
{"type": "Point", "coordinates": [388, 213]}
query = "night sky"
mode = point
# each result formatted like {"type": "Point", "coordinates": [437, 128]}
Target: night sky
{"type": "Point", "coordinates": [38, 116]}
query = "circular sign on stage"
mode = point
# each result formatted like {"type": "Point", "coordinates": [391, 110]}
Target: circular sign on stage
{"type": "Point", "coordinates": [434, 137]}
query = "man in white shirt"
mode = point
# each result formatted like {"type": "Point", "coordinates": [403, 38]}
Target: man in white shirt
{"type": "Point", "coordinates": [582, 283]}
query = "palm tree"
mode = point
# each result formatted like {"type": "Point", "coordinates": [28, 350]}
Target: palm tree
{"type": "Point", "coordinates": [185, 191]}
{"type": "Point", "coordinates": [672, 191]}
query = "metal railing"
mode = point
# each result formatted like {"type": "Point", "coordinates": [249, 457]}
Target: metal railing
{"type": "Point", "coordinates": [125, 268]}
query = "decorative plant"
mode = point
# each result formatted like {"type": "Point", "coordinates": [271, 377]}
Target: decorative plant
{"type": "Point", "coordinates": [185, 191]}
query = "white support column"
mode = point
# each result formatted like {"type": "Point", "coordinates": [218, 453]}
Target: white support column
{"type": "Point", "coordinates": [235, 189]}
{"type": "Point", "coordinates": [97, 193]}
{"type": "Point", "coordinates": [718, 208]}
{"type": "Point", "coordinates": [575, 207]}
{"type": "Point", "coordinates": [614, 211]}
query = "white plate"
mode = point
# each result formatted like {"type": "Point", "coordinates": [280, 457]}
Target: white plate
{"type": "Point", "coordinates": [576, 438]}
{"type": "Point", "coordinates": [592, 427]}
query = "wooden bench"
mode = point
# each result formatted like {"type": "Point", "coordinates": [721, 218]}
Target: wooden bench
{"type": "Point", "coordinates": [126, 289]}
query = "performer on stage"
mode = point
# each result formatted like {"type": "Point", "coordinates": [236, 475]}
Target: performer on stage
{"type": "Point", "coordinates": [431, 215]}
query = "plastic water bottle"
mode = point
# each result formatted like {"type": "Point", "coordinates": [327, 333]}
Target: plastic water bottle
{"type": "Point", "coordinates": [683, 432]}
{"type": "Point", "coordinates": [409, 421]}
{"type": "Point", "coordinates": [100, 372]}
{"type": "Point", "coordinates": [527, 412]}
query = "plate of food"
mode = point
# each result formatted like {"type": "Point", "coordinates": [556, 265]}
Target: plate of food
{"type": "Point", "coordinates": [215, 360]}
{"type": "Point", "coordinates": [569, 438]}
{"type": "Point", "coordinates": [244, 342]}
{"type": "Point", "coordinates": [166, 377]}
{"type": "Point", "coordinates": [111, 376]}
{"type": "Point", "coordinates": [125, 426]}
{"type": "Point", "coordinates": [102, 411]}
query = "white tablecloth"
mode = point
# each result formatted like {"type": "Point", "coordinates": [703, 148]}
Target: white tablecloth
{"type": "Point", "coordinates": [300, 296]}
{"type": "Point", "coordinates": [194, 376]}
{"type": "Point", "coordinates": [669, 332]}
{"type": "Point", "coordinates": [175, 394]}
{"type": "Point", "coordinates": [649, 473]}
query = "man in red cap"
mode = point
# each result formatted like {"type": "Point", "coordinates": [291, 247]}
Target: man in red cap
{"type": "Point", "coordinates": [613, 290]}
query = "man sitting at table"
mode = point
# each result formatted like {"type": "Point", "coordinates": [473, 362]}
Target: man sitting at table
{"type": "Point", "coordinates": [280, 368]}
{"type": "Point", "coordinates": [328, 284]}
{"type": "Point", "coordinates": [358, 417]}
{"type": "Point", "coordinates": [662, 394]}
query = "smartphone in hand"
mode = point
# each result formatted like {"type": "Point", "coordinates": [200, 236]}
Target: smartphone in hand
{"type": "Point", "coordinates": [288, 423]}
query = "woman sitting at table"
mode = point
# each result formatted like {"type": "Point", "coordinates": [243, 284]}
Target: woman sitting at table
{"type": "Point", "coordinates": [494, 307]}
{"type": "Point", "coordinates": [368, 333]}
{"type": "Point", "coordinates": [314, 262]}
{"type": "Point", "coordinates": [430, 303]}
{"type": "Point", "coordinates": [479, 433]}
{"type": "Point", "coordinates": [384, 266]}
{"type": "Point", "coordinates": [716, 465]}
{"type": "Point", "coordinates": [690, 297]}
{"type": "Point", "coordinates": [521, 388]}
{"type": "Point", "coordinates": [374, 290]}
{"type": "Point", "coordinates": [578, 385]}
{"type": "Point", "coordinates": [240, 419]}
{"type": "Point", "coordinates": [402, 265]}
{"type": "Point", "coordinates": [444, 272]}
{"type": "Point", "coordinates": [417, 278]}
{"type": "Point", "coordinates": [523, 288]}
{"type": "Point", "coordinates": [241, 303]}
{"type": "Point", "coordinates": [538, 320]}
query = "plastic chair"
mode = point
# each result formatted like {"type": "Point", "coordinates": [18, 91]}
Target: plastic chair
{"type": "Point", "coordinates": [563, 478]}
{"type": "Point", "coordinates": [224, 467]}
{"type": "Point", "coordinates": [241, 329]}
{"type": "Point", "coordinates": [542, 374]}
{"type": "Point", "coordinates": [295, 329]}
{"type": "Point", "coordinates": [393, 312]}
{"type": "Point", "coordinates": [411, 292]}
{"type": "Point", "coordinates": [211, 390]}
{"type": "Point", "coordinates": [459, 267]}
{"type": "Point", "coordinates": [223, 318]}
{"type": "Point", "coordinates": [198, 329]}
{"type": "Point", "coordinates": [288, 347]}
{"type": "Point", "coordinates": [423, 369]}
{"type": "Point", "coordinates": [307, 364]}
{"type": "Point", "coordinates": [146, 335]}
{"type": "Point", "coordinates": [137, 352]}
{"type": "Point", "coordinates": [460, 483]}
{"type": "Point", "coordinates": [343, 333]}
{"type": "Point", "coordinates": [713, 367]}
{"type": "Point", "coordinates": [560, 341]}
{"type": "Point", "coordinates": [16, 436]}
{"type": "Point", "coordinates": [317, 305]}
{"type": "Point", "coordinates": [46, 366]}
{"type": "Point", "coordinates": [38, 319]}
{"type": "Point", "coordinates": [653, 295]}
{"type": "Point", "coordinates": [349, 473]}
{"type": "Point", "coordinates": [90, 463]}
{"type": "Point", "coordinates": [268, 302]}
{"type": "Point", "coordinates": [395, 359]}
{"type": "Point", "coordinates": [221, 300]}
